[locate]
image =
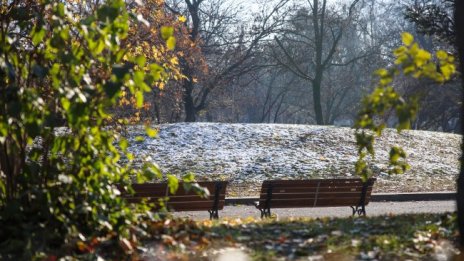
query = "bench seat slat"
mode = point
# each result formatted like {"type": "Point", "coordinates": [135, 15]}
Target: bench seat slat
{"type": "Point", "coordinates": [184, 205]}
{"type": "Point", "coordinates": [314, 190]}
{"type": "Point", "coordinates": [194, 198]}
{"type": "Point", "coordinates": [309, 202]}
{"type": "Point", "coordinates": [339, 202]}
{"type": "Point", "coordinates": [192, 192]}
{"type": "Point", "coordinates": [313, 195]}
{"type": "Point", "coordinates": [302, 185]}
{"type": "Point", "coordinates": [177, 198]}
{"type": "Point", "coordinates": [187, 206]}
{"type": "Point", "coordinates": [288, 203]}
{"type": "Point", "coordinates": [296, 181]}
{"type": "Point", "coordinates": [149, 187]}
{"type": "Point", "coordinates": [148, 194]}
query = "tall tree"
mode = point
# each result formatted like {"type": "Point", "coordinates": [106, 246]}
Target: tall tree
{"type": "Point", "coordinates": [228, 45]}
{"type": "Point", "coordinates": [328, 27]}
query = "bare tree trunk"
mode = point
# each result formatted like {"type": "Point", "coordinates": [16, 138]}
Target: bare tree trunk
{"type": "Point", "coordinates": [317, 99]}
{"type": "Point", "coordinates": [189, 105]}
{"type": "Point", "coordinates": [319, 24]}
{"type": "Point", "coordinates": [459, 23]}
{"type": "Point", "coordinates": [187, 70]}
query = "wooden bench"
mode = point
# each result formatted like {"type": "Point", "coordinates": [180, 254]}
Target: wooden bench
{"type": "Point", "coordinates": [182, 200]}
{"type": "Point", "coordinates": [315, 193]}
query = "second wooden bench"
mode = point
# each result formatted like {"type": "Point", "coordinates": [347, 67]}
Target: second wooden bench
{"type": "Point", "coordinates": [182, 200]}
{"type": "Point", "coordinates": [315, 193]}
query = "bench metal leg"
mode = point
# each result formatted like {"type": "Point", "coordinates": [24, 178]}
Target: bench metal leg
{"type": "Point", "coordinates": [213, 214]}
{"type": "Point", "coordinates": [265, 212]}
{"type": "Point", "coordinates": [360, 210]}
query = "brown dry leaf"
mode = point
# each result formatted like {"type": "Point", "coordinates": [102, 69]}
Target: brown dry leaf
{"type": "Point", "coordinates": [126, 245]}
{"type": "Point", "coordinates": [82, 246]}
{"type": "Point", "coordinates": [168, 240]}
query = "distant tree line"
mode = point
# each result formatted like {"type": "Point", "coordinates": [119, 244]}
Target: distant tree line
{"type": "Point", "coordinates": [303, 63]}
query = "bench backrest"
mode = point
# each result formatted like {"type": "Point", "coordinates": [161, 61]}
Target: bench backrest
{"type": "Point", "coordinates": [182, 200]}
{"type": "Point", "coordinates": [313, 193]}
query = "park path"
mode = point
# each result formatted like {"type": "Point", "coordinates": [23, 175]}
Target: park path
{"type": "Point", "coordinates": [373, 209]}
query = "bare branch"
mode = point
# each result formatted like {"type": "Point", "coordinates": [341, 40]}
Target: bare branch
{"type": "Point", "coordinates": [294, 66]}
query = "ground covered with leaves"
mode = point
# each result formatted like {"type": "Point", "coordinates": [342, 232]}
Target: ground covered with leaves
{"type": "Point", "coordinates": [402, 237]}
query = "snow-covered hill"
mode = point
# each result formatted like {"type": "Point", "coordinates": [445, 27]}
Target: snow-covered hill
{"type": "Point", "coordinates": [251, 153]}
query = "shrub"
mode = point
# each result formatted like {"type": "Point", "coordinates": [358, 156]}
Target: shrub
{"type": "Point", "coordinates": [61, 68]}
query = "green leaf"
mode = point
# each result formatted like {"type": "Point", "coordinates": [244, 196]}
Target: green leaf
{"type": "Point", "coordinates": [38, 34]}
{"type": "Point", "coordinates": [65, 103]}
{"type": "Point", "coordinates": [139, 99]}
{"type": "Point", "coordinates": [139, 80]}
{"type": "Point", "coordinates": [123, 143]}
{"type": "Point", "coordinates": [173, 183]}
{"type": "Point", "coordinates": [140, 60]}
{"type": "Point", "coordinates": [152, 171]}
{"type": "Point", "coordinates": [189, 177]}
{"type": "Point", "coordinates": [60, 9]}
{"type": "Point", "coordinates": [156, 71]}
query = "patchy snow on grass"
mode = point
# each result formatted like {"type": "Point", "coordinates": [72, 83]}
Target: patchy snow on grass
{"type": "Point", "coordinates": [251, 153]}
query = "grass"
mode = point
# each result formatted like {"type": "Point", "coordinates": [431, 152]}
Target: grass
{"type": "Point", "coordinates": [402, 237]}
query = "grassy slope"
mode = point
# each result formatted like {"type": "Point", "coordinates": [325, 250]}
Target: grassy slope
{"type": "Point", "coordinates": [246, 154]}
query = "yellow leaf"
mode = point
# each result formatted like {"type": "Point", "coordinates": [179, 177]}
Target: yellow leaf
{"type": "Point", "coordinates": [386, 80]}
{"type": "Point", "coordinates": [399, 51]}
{"type": "Point", "coordinates": [167, 32]}
{"type": "Point", "coordinates": [151, 132]}
{"type": "Point", "coordinates": [182, 19]}
{"type": "Point", "coordinates": [442, 55]}
{"type": "Point", "coordinates": [171, 43]}
{"type": "Point", "coordinates": [409, 69]}
{"type": "Point", "coordinates": [407, 38]}
{"type": "Point", "coordinates": [381, 72]}
{"type": "Point", "coordinates": [447, 70]}
{"type": "Point", "coordinates": [423, 55]}
{"type": "Point", "coordinates": [174, 61]}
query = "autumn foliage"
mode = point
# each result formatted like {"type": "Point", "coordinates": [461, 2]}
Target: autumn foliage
{"type": "Point", "coordinates": [147, 39]}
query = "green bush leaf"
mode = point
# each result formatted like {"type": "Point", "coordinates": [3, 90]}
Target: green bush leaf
{"type": "Point", "coordinates": [173, 183]}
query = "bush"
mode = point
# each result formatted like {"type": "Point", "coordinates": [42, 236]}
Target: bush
{"type": "Point", "coordinates": [61, 68]}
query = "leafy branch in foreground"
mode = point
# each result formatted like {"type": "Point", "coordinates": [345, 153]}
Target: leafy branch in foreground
{"type": "Point", "coordinates": [413, 61]}
{"type": "Point", "coordinates": [61, 70]}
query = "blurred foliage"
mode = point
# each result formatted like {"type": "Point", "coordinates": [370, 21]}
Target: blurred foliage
{"type": "Point", "coordinates": [413, 61]}
{"type": "Point", "coordinates": [62, 68]}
